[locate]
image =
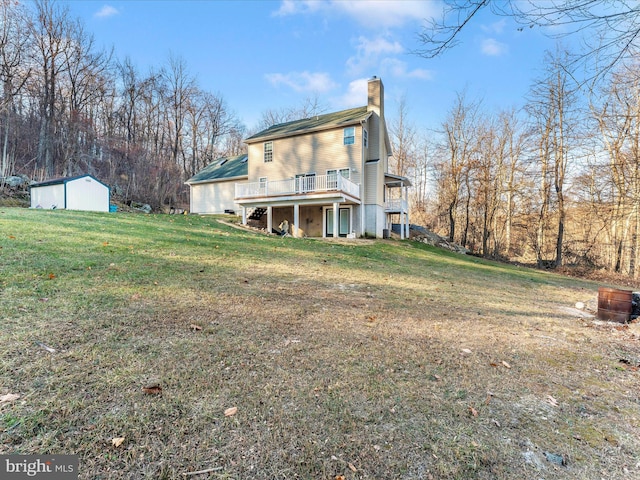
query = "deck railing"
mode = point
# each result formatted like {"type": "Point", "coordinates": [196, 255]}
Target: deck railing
{"type": "Point", "coordinates": [396, 205]}
{"type": "Point", "coordinates": [298, 185]}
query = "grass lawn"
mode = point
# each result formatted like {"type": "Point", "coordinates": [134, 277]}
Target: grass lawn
{"type": "Point", "coordinates": [283, 358]}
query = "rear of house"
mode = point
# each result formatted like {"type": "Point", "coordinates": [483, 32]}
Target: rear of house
{"type": "Point", "coordinates": [325, 175]}
{"type": "Point", "coordinates": [83, 192]}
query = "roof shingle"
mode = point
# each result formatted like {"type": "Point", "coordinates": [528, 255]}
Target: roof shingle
{"type": "Point", "coordinates": [319, 122]}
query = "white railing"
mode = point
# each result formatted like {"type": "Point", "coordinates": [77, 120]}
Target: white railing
{"type": "Point", "coordinates": [299, 185]}
{"type": "Point", "coordinates": [396, 205]}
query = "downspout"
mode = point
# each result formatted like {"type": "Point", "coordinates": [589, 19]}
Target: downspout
{"type": "Point", "coordinates": [362, 177]}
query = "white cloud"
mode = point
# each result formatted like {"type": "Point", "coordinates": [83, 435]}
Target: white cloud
{"type": "Point", "coordinates": [294, 7]}
{"type": "Point", "coordinates": [496, 27]}
{"type": "Point", "coordinates": [318, 82]}
{"type": "Point", "coordinates": [372, 14]}
{"type": "Point", "coordinates": [355, 96]}
{"type": "Point", "coordinates": [368, 53]}
{"type": "Point", "coordinates": [398, 68]}
{"type": "Point", "coordinates": [493, 48]}
{"type": "Point", "coordinates": [387, 13]}
{"type": "Point", "coordinates": [106, 12]}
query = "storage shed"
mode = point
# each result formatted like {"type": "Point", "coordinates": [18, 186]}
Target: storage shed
{"type": "Point", "coordinates": [83, 192]}
{"type": "Point", "coordinates": [213, 188]}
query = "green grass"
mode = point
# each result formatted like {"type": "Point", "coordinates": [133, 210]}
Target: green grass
{"type": "Point", "coordinates": [343, 358]}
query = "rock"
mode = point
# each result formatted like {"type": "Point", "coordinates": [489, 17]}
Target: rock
{"type": "Point", "coordinates": [580, 305]}
{"type": "Point", "coordinates": [15, 181]}
{"type": "Point", "coordinates": [423, 235]}
{"type": "Point", "coordinates": [553, 458]}
{"type": "Point", "coordinates": [143, 207]}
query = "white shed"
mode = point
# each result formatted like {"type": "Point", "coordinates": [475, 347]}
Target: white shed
{"type": "Point", "coordinates": [213, 188]}
{"type": "Point", "coordinates": [83, 192]}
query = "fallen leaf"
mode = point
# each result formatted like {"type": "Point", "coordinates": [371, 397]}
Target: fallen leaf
{"type": "Point", "coordinates": [9, 397]}
{"type": "Point", "coordinates": [44, 299]}
{"type": "Point", "coordinates": [52, 276]}
{"type": "Point", "coordinates": [352, 467]}
{"type": "Point", "coordinates": [117, 441]}
{"type": "Point", "coordinates": [46, 347]}
{"type": "Point", "coordinates": [230, 412]}
{"type": "Point", "coordinates": [473, 411]}
{"type": "Point", "coordinates": [104, 244]}
{"type": "Point", "coordinates": [152, 389]}
{"type": "Point", "coordinates": [12, 237]}
{"type": "Point", "coordinates": [195, 327]}
{"type": "Point", "coordinates": [339, 477]}
{"type": "Point", "coordinates": [552, 401]}
{"type": "Point", "coordinates": [493, 364]}
{"type": "Point", "coordinates": [506, 364]}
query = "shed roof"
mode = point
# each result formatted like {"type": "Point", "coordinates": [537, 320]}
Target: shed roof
{"type": "Point", "coordinates": [221, 169]}
{"type": "Point", "coordinates": [320, 122]}
{"type": "Point", "coordinates": [63, 180]}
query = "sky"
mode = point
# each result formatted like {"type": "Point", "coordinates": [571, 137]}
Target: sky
{"type": "Point", "coordinates": [261, 55]}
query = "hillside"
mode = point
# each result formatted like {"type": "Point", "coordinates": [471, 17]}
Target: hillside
{"type": "Point", "coordinates": [155, 346]}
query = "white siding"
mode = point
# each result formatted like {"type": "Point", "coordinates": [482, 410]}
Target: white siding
{"type": "Point", "coordinates": [215, 197]}
{"type": "Point", "coordinates": [48, 197]}
{"type": "Point", "coordinates": [314, 152]}
{"type": "Point", "coordinates": [86, 193]}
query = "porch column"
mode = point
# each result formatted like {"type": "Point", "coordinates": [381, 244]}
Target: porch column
{"type": "Point", "coordinates": [269, 220]}
{"type": "Point", "coordinates": [336, 213]}
{"type": "Point", "coordinates": [406, 193]}
{"type": "Point", "coordinates": [244, 215]}
{"type": "Point", "coordinates": [296, 219]}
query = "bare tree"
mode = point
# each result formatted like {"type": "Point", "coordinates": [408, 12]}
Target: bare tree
{"type": "Point", "coordinates": [610, 29]}
{"type": "Point", "coordinates": [310, 107]}
{"type": "Point", "coordinates": [452, 167]}
{"type": "Point", "coordinates": [552, 107]}
{"type": "Point", "coordinates": [52, 33]}
{"type": "Point", "coordinates": [403, 142]}
{"type": "Point", "coordinates": [14, 45]}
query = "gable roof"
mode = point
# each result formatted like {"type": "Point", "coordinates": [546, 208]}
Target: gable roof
{"type": "Point", "coordinates": [320, 122]}
{"type": "Point", "coordinates": [222, 169]}
{"type": "Point", "coordinates": [63, 180]}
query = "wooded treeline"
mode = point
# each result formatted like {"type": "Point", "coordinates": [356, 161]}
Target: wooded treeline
{"type": "Point", "coordinates": [556, 182]}
{"type": "Point", "coordinates": [552, 182]}
{"type": "Point", "coordinates": [67, 108]}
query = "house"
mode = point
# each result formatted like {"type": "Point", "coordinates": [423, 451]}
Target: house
{"type": "Point", "coordinates": [83, 192]}
{"type": "Point", "coordinates": [326, 175]}
{"type": "Point", "coordinates": [213, 188]}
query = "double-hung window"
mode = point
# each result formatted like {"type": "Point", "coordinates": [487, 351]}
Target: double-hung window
{"type": "Point", "coordinates": [268, 151]}
{"type": "Point", "coordinates": [332, 177]}
{"type": "Point", "coordinates": [365, 138]}
{"type": "Point", "coordinates": [349, 136]}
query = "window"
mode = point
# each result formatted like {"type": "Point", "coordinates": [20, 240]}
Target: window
{"type": "Point", "coordinates": [332, 177]}
{"type": "Point", "coordinates": [262, 182]}
{"type": "Point", "coordinates": [365, 138]}
{"type": "Point", "coordinates": [268, 151]}
{"type": "Point", "coordinates": [349, 135]}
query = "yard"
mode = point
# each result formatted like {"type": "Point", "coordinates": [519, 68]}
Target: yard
{"type": "Point", "coordinates": [159, 346]}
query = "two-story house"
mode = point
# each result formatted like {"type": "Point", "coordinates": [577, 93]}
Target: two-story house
{"type": "Point", "coordinates": [326, 175]}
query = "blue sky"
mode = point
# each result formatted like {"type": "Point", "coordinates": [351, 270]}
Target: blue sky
{"type": "Point", "coordinates": [266, 54]}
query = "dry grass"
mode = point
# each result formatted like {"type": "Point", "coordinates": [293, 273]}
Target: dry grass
{"type": "Point", "coordinates": [376, 360]}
